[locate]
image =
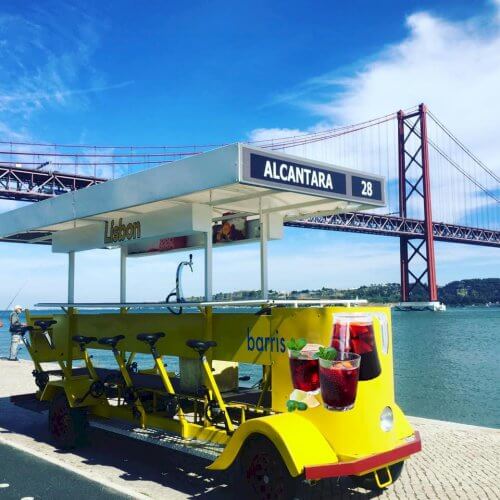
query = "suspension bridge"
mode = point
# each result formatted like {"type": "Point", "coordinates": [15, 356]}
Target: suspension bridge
{"type": "Point", "coordinates": [438, 189]}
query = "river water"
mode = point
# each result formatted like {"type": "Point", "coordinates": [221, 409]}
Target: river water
{"type": "Point", "coordinates": [447, 365]}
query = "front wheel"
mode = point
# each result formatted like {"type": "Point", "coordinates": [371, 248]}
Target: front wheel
{"type": "Point", "coordinates": [262, 472]}
{"type": "Point", "coordinates": [67, 426]}
{"type": "Point", "coordinates": [368, 481]}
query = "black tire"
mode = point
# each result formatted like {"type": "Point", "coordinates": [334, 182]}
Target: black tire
{"type": "Point", "coordinates": [67, 426]}
{"type": "Point", "coordinates": [368, 481]}
{"type": "Point", "coordinates": [261, 472]}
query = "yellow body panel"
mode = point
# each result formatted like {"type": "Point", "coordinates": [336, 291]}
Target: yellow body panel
{"type": "Point", "coordinates": [354, 433]}
{"type": "Point", "coordinates": [41, 350]}
{"type": "Point", "coordinates": [325, 436]}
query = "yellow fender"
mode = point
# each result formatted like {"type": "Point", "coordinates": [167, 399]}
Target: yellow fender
{"type": "Point", "coordinates": [298, 441]}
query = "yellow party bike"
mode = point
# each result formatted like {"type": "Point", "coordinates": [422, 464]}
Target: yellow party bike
{"type": "Point", "coordinates": [323, 403]}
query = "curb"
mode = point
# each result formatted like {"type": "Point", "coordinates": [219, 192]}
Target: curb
{"type": "Point", "coordinates": [458, 426]}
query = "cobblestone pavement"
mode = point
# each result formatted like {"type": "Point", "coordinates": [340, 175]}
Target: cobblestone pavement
{"type": "Point", "coordinates": [457, 462]}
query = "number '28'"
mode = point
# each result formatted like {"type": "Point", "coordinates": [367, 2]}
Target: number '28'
{"type": "Point", "coordinates": [367, 188]}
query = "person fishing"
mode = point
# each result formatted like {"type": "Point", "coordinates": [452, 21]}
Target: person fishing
{"type": "Point", "coordinates": [16, 331]}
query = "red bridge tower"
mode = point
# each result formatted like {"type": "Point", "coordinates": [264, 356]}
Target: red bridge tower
{"type": "Point", "coordinates": [417, 255]}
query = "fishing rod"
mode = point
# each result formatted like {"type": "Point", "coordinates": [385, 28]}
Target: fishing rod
{"type": "Point", "coordinates": [16, 295]}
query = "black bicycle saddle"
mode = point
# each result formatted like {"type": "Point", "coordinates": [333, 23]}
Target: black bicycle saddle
{"type": "Point", "coordinates": [82, 340]}
{"type": "Point", "coordinates": [111, 341]}
{"type": "Point", "coordinates": [150, 338]}
{"type": "Point", "coordinates": [45, 325]}
{"type": "Point", "coordinates": [201, 346]}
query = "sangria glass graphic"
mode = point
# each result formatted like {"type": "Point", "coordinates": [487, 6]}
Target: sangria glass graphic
{"type": "Point", "coordinates": [304, 369]}
{"type": "Point", "coordinates": [339, 381]}
{"type": "Point", "coordinates": [354, 333]}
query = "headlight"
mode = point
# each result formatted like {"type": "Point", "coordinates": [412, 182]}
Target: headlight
{"type": "Point", "coordinates": [386, 419]}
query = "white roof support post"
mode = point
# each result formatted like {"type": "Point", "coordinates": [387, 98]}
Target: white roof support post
{"type": "Point", "coordinates": [208, 265]}
{"type": "Point", "coordinates": [264, 285]}
{"type": "Point", "coordinates": [71, 277]}
{"type": "Point", "coordinates": [123, 274]}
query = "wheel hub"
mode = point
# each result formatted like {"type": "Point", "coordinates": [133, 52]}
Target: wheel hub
{"type": "Point", "coordinates": [265, 477]}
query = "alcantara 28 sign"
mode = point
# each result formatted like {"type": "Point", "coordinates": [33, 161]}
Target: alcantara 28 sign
{"type": "Point", "coordinates": [310, 177]}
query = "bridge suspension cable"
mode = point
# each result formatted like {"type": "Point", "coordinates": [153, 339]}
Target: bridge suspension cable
{"type": "Point", "coordinates": [462, 171]}
{"type": "Point", "coordinates": [463, 147]}
{"type": "Point", "coordinates": [465, 190]}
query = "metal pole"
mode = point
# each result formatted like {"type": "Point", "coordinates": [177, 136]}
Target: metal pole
{"type": "Point", "coordinates": [71, 311]}
{"type": "Point", "coordinates": [71, 277]}
{"type": "Point", "coordinates": [208, 265]}
{"type": "Point", "coordinates": [263, 255]}
{"type": "Point", "coordinates": [429, 235]}
{"type": "Point", "coordinates": [123, 274]}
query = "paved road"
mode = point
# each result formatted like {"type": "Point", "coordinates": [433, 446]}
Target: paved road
{"type": "Point", "coordinates": [23, 476]}
{"type": "Point", "coordinates": [458, 461]}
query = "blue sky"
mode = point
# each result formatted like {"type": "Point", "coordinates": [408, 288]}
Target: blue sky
{"type": "Point", "coordinates": [178, 72]}
{"type": "Point", "coordinates": [211, 72]}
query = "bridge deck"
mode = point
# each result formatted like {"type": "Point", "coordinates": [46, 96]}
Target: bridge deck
{"type": "Point", "coordinates": [26, 184]}
{"type": "Point", "coordinates": [390, 225]}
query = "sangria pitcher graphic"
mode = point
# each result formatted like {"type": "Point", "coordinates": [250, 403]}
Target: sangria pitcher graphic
{"type": "Point", "coordinates": [354, 333]}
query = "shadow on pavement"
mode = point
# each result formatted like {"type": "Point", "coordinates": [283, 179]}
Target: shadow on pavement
{"type": "Point", "coordinates": [139, 461]}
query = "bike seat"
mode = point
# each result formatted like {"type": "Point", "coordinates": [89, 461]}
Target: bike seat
{"type": "Point", "coordinates": [201, 346]}
{"type": "Point", "coordinates": [45, 325]}
{"type": "Point", "coordinates": [111, 341]}
{"type": "Point", "coordinates": [150, 338]}
{"type": "Point", "coordinates": [82, 340]}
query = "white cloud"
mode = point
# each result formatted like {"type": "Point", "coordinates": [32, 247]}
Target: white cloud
{"type": "Point", "coordinates": [452, 66]}
{"type": "Point", "coordinates": [54, 94]}
{"type": "Point", "coordinates": [496, 3]}
{"type": "Point", "coordinates": [46, 63]}
{"type": "Point", "coordinates": [269, 134]}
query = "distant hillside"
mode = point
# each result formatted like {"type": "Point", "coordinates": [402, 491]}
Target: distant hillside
{"type": "Point", "coordinates": [456, 293]}
{"type": "Point", "coordinates": [474, 291]}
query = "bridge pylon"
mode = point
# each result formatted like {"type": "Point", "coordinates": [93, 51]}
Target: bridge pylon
{"type": "Point", "coordinates": [418, 263]}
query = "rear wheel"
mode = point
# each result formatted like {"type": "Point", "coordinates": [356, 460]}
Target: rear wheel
{"type": "Point", "coordinates": [368, 481]}
{"type": "Point", "coordinates": [262, 472]}
{"type": "Point", "coordinates": [67, 426]}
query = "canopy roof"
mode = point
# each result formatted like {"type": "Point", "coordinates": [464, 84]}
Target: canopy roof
{"type": "Point", "coordinates": [232, 179]}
